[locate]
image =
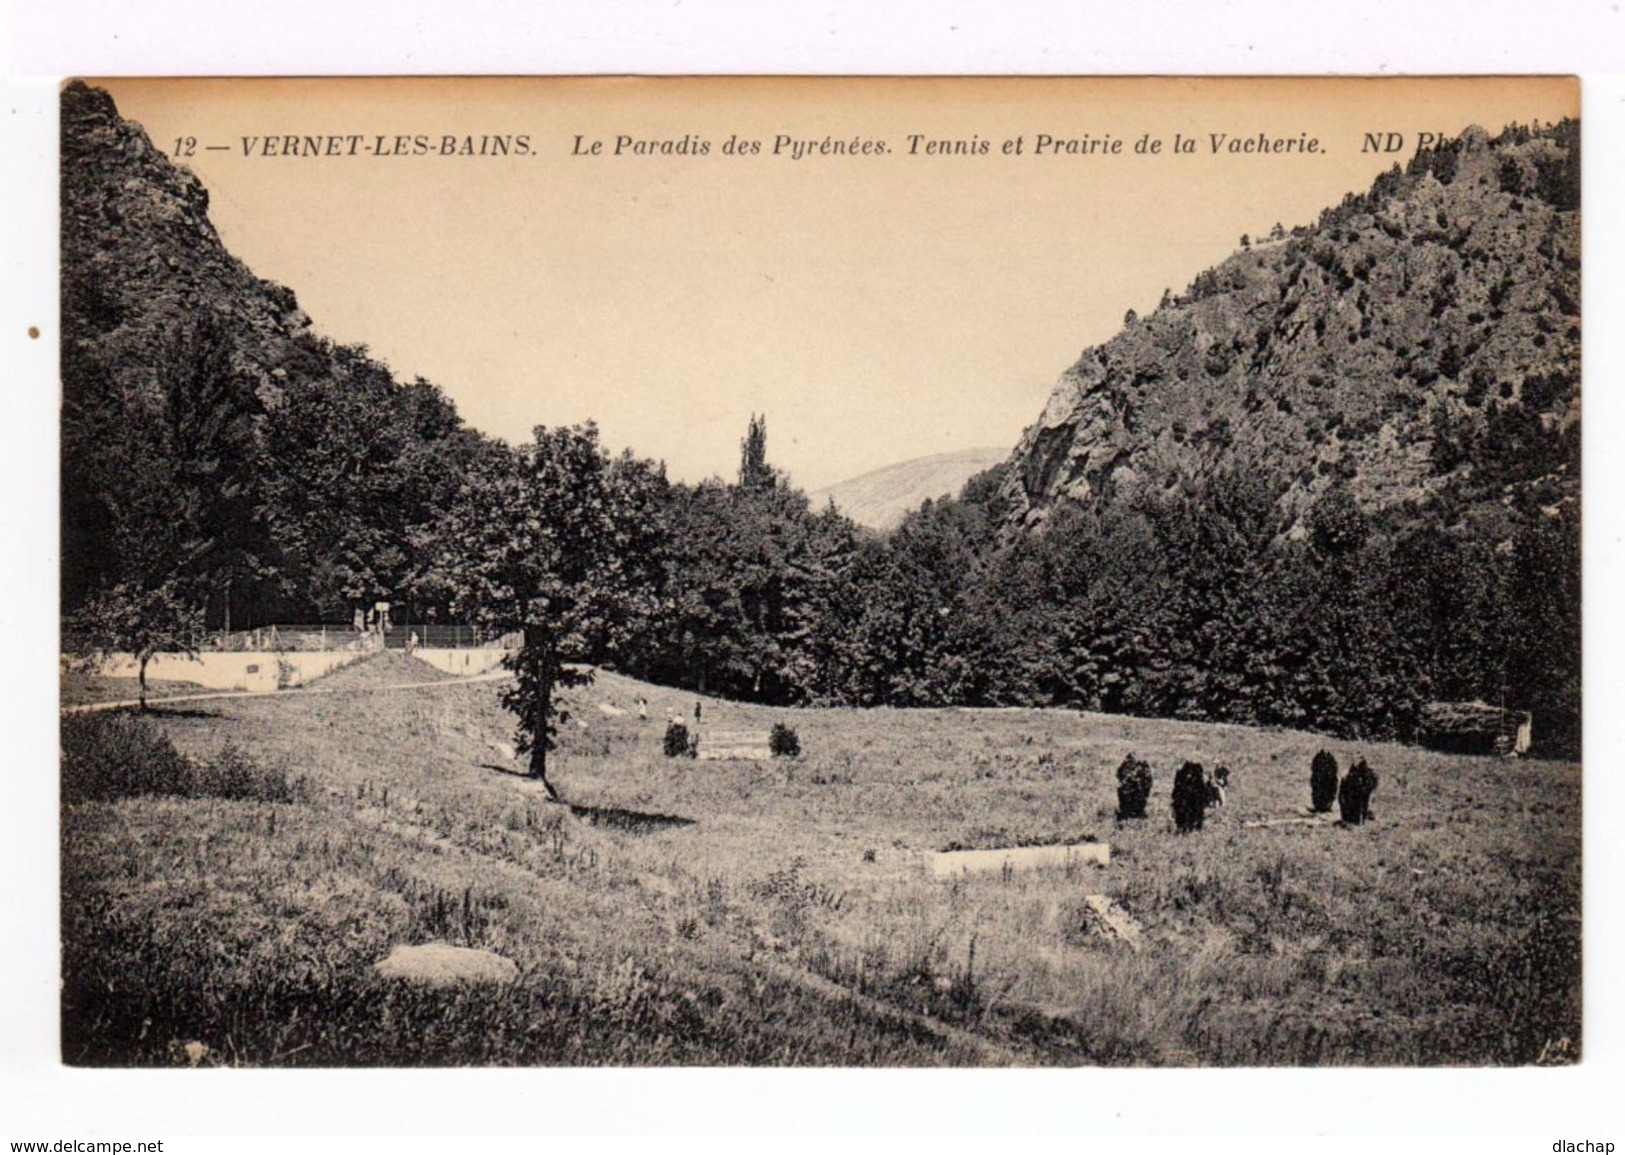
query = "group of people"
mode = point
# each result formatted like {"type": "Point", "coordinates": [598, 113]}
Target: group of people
{"type": "Point", "coordinates": [1352, 794]}
{"type": "Point", "coordinates": [673, 716]}
{"type": "Point", "coordinates": [1195, 790]}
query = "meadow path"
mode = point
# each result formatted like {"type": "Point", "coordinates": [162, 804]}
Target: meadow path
{"type": "Point", "coordinates": [89, 707]}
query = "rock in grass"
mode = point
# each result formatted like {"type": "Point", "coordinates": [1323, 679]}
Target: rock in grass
{"type": "Point", "coordinates": [1102, 915]}
{"type": "Point", "coordinates": [440, 964]}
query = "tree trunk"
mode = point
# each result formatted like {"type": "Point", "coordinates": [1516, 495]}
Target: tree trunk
{"type": "Point", "coordinates": [141, 677]}
{"type": "Point", "coordinates": [542, 709]}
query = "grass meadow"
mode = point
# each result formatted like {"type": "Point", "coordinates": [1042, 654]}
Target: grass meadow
{"type": "Point", "coordinates": [781, 912]}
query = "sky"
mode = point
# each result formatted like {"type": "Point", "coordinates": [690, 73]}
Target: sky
{"type": "Point", "coordinates": [876, 307]}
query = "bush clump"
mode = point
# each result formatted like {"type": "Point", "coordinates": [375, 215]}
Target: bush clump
{"type": "Point", "coordinates": [1190, 797]}
{"type": "Point", "coordinates": [678, 744]}
{"type": "Point", "coordinates": [784, 742]}
{"type": "Point", "coordinates": [1133, 788]}
{"type": "Point", "coordinates": [119, 755]}
{"type": "Point", "coordinates": [231, 773]}
{"type": "Point", "coordinates": [1354, 795]}
{"type": "Point", "coordinates": [1323, 782]}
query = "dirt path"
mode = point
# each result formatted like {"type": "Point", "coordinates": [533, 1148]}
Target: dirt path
{"type": "Point", "coordinates": [89, 707]}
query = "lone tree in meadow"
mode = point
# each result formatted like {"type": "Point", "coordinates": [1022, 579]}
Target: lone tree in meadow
{"type": "Point", "coordinates": [562, 544]}
{"type": "Point", "coordinates": [131, 618]}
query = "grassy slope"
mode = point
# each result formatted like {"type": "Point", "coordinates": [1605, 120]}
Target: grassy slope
{"type": "Point", "coordinates": [80, 688]}
{"type": "Point", "coordinates": [696, 912]}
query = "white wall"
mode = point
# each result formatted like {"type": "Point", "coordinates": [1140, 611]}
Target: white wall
{"type": "Point", "coordinates": [235, 670]}
{"type": "Point", "coordinates": [463, 663]}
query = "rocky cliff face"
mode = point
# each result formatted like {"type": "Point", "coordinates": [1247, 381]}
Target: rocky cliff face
{"type": "Point", "coordinates": [1421, 342]}
{"type": "Point", "coordinates": [141, 260]}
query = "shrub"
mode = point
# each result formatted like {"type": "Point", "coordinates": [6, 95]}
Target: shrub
{"type": "Point", "coordinates": [231, 773]}
{"type": "Point", "coordinates": [784, 742]}
{"type": "Point", "coordinates": [1323, 782]}
{"type": "Point", "coordinates": [1354, 795]}
{"type": "Point", "coordinates": [117, 755]}
{"type": "Point", "coordinates": [677, 743]}
{"type": "Point", "coordinates": [120, 755]}
{"type": "Point", "coordinates": [1133, 788]}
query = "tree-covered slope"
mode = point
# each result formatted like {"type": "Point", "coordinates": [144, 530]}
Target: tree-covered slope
{"type": "Point", "coordinates": [213, 446]}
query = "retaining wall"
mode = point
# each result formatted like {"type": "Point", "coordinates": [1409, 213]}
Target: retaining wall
{"type": "Point", "coordinates": [257, 672]}
{"type": "Point", "coordinates": [463, 663]}
{"type": "Point", "coordinates": [952, 863]}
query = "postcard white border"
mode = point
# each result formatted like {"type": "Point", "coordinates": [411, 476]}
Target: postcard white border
{"type": "Point", "coordinates": [1187, 36]}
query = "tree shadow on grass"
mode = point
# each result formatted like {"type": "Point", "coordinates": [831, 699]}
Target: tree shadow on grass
{"type": "Point", "coordinates": [631, 821]}
{"type": "Point", "coordinates": [158, 710]}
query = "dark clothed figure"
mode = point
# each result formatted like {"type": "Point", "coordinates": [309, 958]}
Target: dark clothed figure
{"type": "Point", "coordinates": [1354, 796]}
{"type": "Point", "coordinates": [1322, 782]}
{"type": "Point", "coordinates": [1190, 797]}
{"type": "Point", "coordinates": [1133, 788]}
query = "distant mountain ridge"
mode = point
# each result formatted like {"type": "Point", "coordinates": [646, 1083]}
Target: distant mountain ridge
{"type": "Point", "coordinates": [1421, 343]}
{"type": "Point", "coordinates": [881, 498]}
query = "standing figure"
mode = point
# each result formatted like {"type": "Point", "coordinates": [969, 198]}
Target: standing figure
{"type": "Point", "coordinates": [1190, 797]}
{"type": "Point", "coordinates": [1354, 796]}
{"type": "Point", "coordinates": [1322, 782]}
{"type": "Point", "coordinates": [1133, 788]}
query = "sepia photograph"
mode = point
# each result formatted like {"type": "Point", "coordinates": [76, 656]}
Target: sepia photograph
{"type": "Point", "coordinates": [820, 572]}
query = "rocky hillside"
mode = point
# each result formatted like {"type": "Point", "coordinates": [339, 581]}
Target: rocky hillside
{"type": "Point", "coordinates": [880, 498]}
{"type": "Point", "coordinates": [141, 260]}
{"type": "Point", "coordinates": [1421, 341]}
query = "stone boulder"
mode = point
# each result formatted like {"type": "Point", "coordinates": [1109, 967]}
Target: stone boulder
{"type": "Point", "coordinates": [441, 964]}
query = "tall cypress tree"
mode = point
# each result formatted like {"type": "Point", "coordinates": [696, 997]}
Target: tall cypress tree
{"type": "Point", "coordinates": [754, 471]}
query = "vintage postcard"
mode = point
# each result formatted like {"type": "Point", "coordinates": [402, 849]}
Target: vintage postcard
{"type": "Point", "coordinates": [820, 572]}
